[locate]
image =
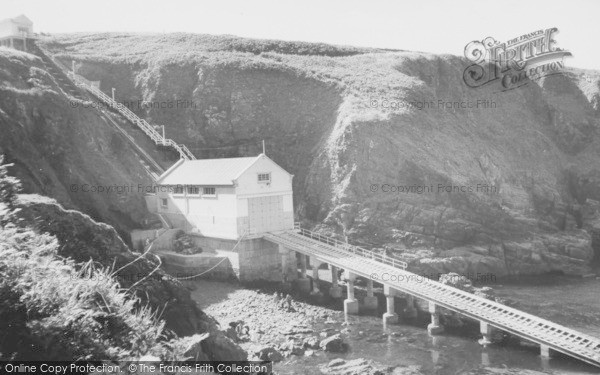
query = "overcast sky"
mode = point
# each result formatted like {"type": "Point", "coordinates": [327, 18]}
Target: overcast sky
{"type": "Point", "coordinates": [436, 26]}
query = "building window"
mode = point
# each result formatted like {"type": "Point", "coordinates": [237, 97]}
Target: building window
{"type": "Point", "coordinates": [178, 189]}
{"type": "Point", "coordinates": [209, 191]}
{"type": "Point", "coordinates": [264, 177]}
{"type": "Point", "coordinates": [193, 190]}
{"type": "Point", "coordinates": [164, 203]}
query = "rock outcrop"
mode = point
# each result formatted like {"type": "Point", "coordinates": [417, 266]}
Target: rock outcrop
{"type": "Point", "coordinates": [390, 149]}
{"type": "Point", "coordinates": [63, 148]}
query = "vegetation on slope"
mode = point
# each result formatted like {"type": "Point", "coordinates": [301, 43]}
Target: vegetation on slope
{"type": "Point", "coordinates": [57, 142]}
{"type": "Point", "coordinates": [82, 294]}
{"type": "Point", "coordinates": [154, 43]}
{"type": "Point", "coordinates": [53, 309]}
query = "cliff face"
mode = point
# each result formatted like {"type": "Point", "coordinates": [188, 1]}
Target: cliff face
{"type": "Point", "coordinates": [375, 139]}
{"type": "Point", "coordinates": [64, 150]}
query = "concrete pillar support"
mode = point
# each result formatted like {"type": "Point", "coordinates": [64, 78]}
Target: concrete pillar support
{"type": "Point", "coordinates": [303, 283]}
{"type": "Point", "coordinates": [336, 290]}
{"type": "Point", "coordinates": [370, 300]}
{"type": "Point", "coordinates": [434, 328]}
{"type": "Point", "coordinates": [390, 315]}
{"type": "Point", "coordinates": [545, 351]}
{"type": "Point", "coordinates": [284, 252]}
{"type": "Point", "coordinates": [315, 277]}
{"type": "Point", "coordinates": [486, 333]}
{"type": "Point", "coordinates": [485, 359]}
{"type": "Point", "coordinates": [350, 303]}
{"type": "Point", "coordinates": [410, 311]}
{"type": "Point", "coordinates": [303, 266]}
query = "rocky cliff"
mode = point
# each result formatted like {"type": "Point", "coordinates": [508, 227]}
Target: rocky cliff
{"type": "Point", "coordinates": [64, 150]}
{"type": "Point", "coordinates": [389, 148]}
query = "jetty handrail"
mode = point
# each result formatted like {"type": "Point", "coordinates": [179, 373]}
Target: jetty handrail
{"type": "Point", "coordinates": [560, 338]}
{"type": "Point", "coordinates": [353, 249]}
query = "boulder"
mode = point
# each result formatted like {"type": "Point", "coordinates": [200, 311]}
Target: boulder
{"type": "Point", "coordinates": [311, 342]}
{"type": "Point", "coordinates": [193, 347]}
{"type": "Point", "coordinates": [333, 344]}
{"type": "Point", "coordinates": [269, 353]}
{"type": "Point", "coordinates": [457, 281]}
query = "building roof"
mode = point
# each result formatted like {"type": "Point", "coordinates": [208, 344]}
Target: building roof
{"type": "Point", "coordinates": [206, 171]}
{"type": "Point", "coordinates": [22, 19]}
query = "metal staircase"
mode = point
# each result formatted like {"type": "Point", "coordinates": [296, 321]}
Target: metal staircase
{"type": "Point", "coordinates": [69, 88]}
{"type": "Point", "coordinates": [59, 75]}
{"type": "Point", "coordinates": [363, 263]}
{"type": "Point", "coordinates": [69, 78]}
{"type": "Point", "coordinates": [158, 139]}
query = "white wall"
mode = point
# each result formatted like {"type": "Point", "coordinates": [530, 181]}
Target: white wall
{"type": "Point", "coordinates": [214, 217]}
{"type": "Point", "coordinates": [227, 215]}
{"type": "Point", "coordinates": [10, 28]}
{"type": "Point", "coordinates": [247, 183]}
{"type": "Point", "coordinates": [209, 216]}
{"type": "Point", "coordinates": [6, 28]}
{"type": "Point", "coordinates": [248, 187]}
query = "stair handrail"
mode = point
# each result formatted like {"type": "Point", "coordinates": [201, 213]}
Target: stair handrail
{"type": "Point", "coordinates": [353, 249]}
{"type": "Point", "coordinates": [156, 137]}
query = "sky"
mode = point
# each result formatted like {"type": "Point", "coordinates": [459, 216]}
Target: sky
{"type": "Point", "coordinates": [437, 26]}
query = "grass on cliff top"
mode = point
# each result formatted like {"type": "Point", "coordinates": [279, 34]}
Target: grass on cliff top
{"type": "Point", "coordinates": [361, 75]}
{"type": "Point", "coordinates": [127, 44]}
{"type": "Point", "coordinates": [360, 70]}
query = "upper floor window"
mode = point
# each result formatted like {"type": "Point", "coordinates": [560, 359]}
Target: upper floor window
{"type": "Point", "coordinates": [264, 177]}
{"type": "Point", "coordinates": [195, 190]}
{"type": "Point", "coordinates": [209, 191]}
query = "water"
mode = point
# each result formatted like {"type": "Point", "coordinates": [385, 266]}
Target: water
{"type": "Point", "coordinates": [573, 303]}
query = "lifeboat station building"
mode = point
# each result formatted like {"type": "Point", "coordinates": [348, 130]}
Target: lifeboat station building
{"type": "Point", "coordinates": [226, 205]}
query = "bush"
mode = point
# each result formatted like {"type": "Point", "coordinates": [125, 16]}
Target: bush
{"type": "Point", "coordinates": [50, 310]}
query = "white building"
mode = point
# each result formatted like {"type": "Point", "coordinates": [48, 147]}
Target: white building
{"type": "Point", "coordinates": [14, 32]}
{"type": "Point", "coordinates": [225, 198]}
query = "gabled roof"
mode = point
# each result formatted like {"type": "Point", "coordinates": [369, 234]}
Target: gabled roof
{"type": "Point", "coordinates": [22, 19]}
{"type": "Point", "coordinates": [206, 171]}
